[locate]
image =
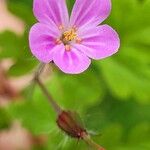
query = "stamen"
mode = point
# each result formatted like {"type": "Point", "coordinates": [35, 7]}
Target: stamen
{"type": "Point", "coordinates": [58, 41]}
{"type": "Point", "coordinates": [61, 27]}
{"type": "Point", "coordinates": [78, 40]}
{"type": "Point", "coordinates": [74, 28]}
{"type": "Point", "coordinates": [69, 35]}
{"type": "Point", "coordinates": [67, 47]}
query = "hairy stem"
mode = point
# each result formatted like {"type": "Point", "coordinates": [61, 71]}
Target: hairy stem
{"type": "Point", "coordinates": [91, 143]}
{"type": "Point", "coordinates": [64, 117]}
{"type": "Point", "coordinates": [39, 71]}
{"type": "Point", "coordinates": [55, 106]}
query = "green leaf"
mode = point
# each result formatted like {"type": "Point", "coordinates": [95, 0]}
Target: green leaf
{"type": "Point", "coordinates": [22, 9]}
{"type": "Point", "coordinates": [10, 45]}
{"type": "Point", "coordinates": [21, 67]}
{"type": "Point", "coordinates": [140, 134]}
{"type": "Point", "coordinates": [76, 91]}
{"type": "Point", "coordinates": [5, 119]}
{"type": "Point", "coordinates": [36, 117]}
{"type": "Point", "coordinates": [124, 83]}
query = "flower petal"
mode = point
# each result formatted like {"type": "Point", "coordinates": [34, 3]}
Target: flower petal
{"type": "Point", "coordinates": [41, 41]}
{"type": "Point", "coordinates": [90, 12]}
{"type": "Point", "coordinates": [72, 62]}
{"type": "Point", "coordinates": [99, 42]}
{"type": "Point", "coordinates": [51, 11]}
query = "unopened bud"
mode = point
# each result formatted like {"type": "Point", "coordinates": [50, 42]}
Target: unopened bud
{"type": "Point", "coordinates": [68, 122]}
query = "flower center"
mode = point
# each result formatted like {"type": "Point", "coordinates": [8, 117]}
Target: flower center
{"type": "Point", "coordinates": [69, 35]}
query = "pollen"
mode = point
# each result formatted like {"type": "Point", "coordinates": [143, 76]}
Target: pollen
{"type": "Point", "coordinates": [69, 35]}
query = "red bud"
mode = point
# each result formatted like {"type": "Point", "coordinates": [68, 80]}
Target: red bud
{"type": "Point", "coordinates": [68, 122]}
{"type": "Point", "coordinates": [71, 124]}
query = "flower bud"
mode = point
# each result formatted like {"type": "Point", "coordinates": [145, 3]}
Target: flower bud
{"type": "Point", "coordinates": [69, 122]}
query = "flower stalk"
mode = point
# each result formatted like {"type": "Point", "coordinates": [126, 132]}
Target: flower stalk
{"type": "Point", "coordinates": [91, 143]}
{"type": "Point", "coordinates": [68, 121]}
{"type": "Point", "coordinates": [54, 105]}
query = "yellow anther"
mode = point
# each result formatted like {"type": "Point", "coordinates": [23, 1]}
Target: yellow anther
{"type": "Point", "coordinates": [69, 35]}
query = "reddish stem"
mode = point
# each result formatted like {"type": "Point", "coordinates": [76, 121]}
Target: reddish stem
{"type": "Point", "coordinates": [55, 106]}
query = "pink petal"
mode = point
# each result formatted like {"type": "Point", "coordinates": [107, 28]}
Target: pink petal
{"type": "Point", "coordinates": [72, 62]}
{"type": "Point", "coordinates": [41, 41]}
{"type": "Point", "coordinates": [51, 11]}
{"type": "Point", "coordinates": [90, 12]}
{"type": "Point", "coordinates": [99, 42]}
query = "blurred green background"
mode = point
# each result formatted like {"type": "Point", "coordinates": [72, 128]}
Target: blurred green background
{"type": "Point", "coordinates": [112, 96]}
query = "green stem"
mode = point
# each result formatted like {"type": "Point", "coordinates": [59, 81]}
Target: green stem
{"type": "Point", "coordinates": [91, 143]}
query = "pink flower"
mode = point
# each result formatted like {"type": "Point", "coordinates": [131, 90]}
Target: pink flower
{"type": "Point", "coordinates": [71, 42]}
